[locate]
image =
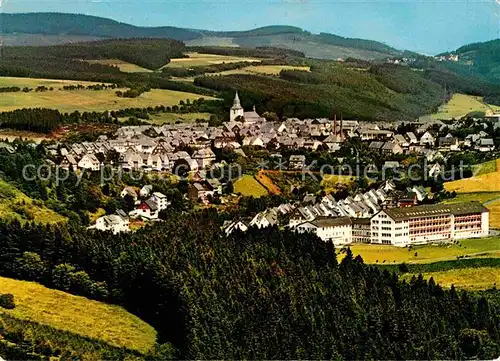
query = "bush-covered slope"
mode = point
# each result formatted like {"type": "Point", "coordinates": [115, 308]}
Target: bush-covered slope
{"type": "Point", "coordinates": [147, 53]}
{"type": "Point", "coordinates": [478, 60]}
{"type": "Point", "coordinates": [78, 24]}
{"type": "Point", "coordinates": [376, 93]}
{"type": "Point", "coordinates": [265, 294]}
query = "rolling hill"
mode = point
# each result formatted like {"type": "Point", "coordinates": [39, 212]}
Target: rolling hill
{"type": "Point", "coordinates": [50, 321]}
{"type": "Point", "coordinates": [56, 28]}
{"type": "Point", "coordinates": [481, 60]}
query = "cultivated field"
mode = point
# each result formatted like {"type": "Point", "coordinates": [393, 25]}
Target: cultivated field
{"type": "Point", "coordinates": [263, 69]}
{"type": "Point", "coordinates": [175, 117]}
{"type": "Point", "coordinates": [15, 205]}
{"type": "Point", "coordinates": [489, 182]}
{"type": "Point", "coordinates": [212, 41]}
{"type": "Point", "coordinates": [381, 254]}
{"type": "Point", "coordinates": [494, 208]}
{"type": "Point", "coordinates": [79, 315]}
{"type": "Point", "coordinates": [480, 278]}
{"type": "Point", "coordinates": [460, 105]}
{"type": "Point", "coordinates": [34, 82]}
{"type": "Point", "coordinates": [83, 100]}
{"type": "Point", "coordinates": [248, 186]}
{"type": "Point", "coordinates": [122, 65]}
{"type": "Point", "coordinates": [484, 168]}
{"type": "Point", "coordinates": [199, 59]}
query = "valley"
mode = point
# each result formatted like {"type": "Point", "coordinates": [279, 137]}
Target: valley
{"type": "Point", "coordinates": [177, 193]}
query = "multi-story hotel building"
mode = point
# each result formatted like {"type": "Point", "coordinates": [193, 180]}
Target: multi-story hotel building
{"type": "Point", "coordinates": [429, 223]}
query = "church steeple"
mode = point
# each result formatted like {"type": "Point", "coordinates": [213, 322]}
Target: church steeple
{"type": "Point", "coordinates": [236, 109]}
{"type": "Point", "coordinates": [236, 103]}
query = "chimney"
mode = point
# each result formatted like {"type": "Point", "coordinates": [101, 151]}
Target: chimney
{"type": "Point", "coordinates": [341, 127]}
{"type": "Point", "coordinates": [335, 124]}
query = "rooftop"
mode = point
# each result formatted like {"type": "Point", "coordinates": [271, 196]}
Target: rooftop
{"type": "Point", "coordinates": [435, 210]}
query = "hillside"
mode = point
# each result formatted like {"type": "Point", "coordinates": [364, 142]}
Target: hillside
{"type": "Point", "coordinates": [216, 297]}
{"type": "Point", "coordinates": [15, 205]}
{"type": "Point", "coordinates": [373, 92]}
{"type": "Point", "coordinates": [55, 28]}
{"type": "Point", "coordinates": [61, 311]}
{"type": "Point", "coordinates": [85, 25]}
{"type": "Point", "coordinates": [147, 53]}
{"type": "Point", "coordinates": [481, 60]}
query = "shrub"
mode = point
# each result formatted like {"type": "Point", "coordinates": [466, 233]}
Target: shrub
{"type": "Point", "coordinates": [7, 301]}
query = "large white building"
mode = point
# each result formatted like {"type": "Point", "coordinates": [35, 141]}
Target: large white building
{"type": "Point", "coordinates": [402, 226]}
{"type": "Point", "coordinates": [337, 230]}
{"type": "Point", "coordinates": [429, 223]}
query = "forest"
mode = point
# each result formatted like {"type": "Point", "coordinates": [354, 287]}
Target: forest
{"type": "Point", "coordinates": [266, 294]}
{"type": "Point", "coordinates": [147, 53]}
{"type": "Point", "coordinates": [383, 92]}
{"type": "Point", "coordinates": [79, 24]}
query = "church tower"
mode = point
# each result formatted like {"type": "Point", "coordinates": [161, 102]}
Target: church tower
{"type": "Point", "coordinates": [236, 109]}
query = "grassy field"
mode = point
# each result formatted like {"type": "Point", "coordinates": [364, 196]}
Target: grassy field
{"type": "Point", "coordinates": [331, 182]}
{"type": "Point", "coordinates": [494, 208]}
{"type": "Point", "coordinates": [482, 197]}
{"type": "Point", "coordinates": [11, 135]}
{"type": "Point", "coordinates": [268, 183]}
{"type": "Point", "coordinates": [381, 254]}
{"type": "Point", "coordinates": [479, 278]}
{"type": "Point", "coordinates": [174, 117]}
{"type": "Point", "coordinates": [122, 65]}
{"type": "Point", "coordinates": [460, 105]}
{"type": "Point", "coordinates": [200, 59]}
{"type": "Point", "coordinates": [485, 168]}
{"type": "Point", "coordinates": [248, 186]}
{"type": "Point", "coordinates": [16, 205]}
{"type": "Point", "coordinates": [34, 82]}
{"type": "Point", "coordinates": [484, 183]}
{"type": "Point", "coordinates": [84, 100]}
{"type": "Point", "coordinates": [263, 69]}
{"type": "Point", "coordinates": [79, 315]}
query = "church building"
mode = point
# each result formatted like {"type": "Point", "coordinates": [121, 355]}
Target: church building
{"type": "Point", "coordinates": [237, 110]}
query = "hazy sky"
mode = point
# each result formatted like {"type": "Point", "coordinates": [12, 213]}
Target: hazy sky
{"type": "Point", "coordinates": [425, 26]}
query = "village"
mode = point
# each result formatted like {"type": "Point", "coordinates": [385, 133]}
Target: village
{"type": "Point", "coordinates": [189, 150]}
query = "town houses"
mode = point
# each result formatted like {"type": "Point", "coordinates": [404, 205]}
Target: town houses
{"type": "Point", "coordinates": [347, 221]}
{"type": "Point", "coordinates": [378, 216]}
{"type": "Point", "coordinates": [190, 149]}
{"type": "Point", "coordinates": [163, 148]}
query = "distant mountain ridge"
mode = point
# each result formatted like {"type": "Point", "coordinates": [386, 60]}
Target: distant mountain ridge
{"type": "Point", "coordinates": [21, 29]}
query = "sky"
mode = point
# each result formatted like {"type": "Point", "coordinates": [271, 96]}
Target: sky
{"type": "Point", "coordinates": [425, 26]}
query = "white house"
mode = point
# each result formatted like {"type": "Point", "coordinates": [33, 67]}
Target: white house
{"type": "Point", "coordinates": [113, 223]}
{"type": "Point", "coordinates": [147, 209]}
{"type": "Point", "coordinates": [89, 162]}
{"type": "Point", "coordinates": [161, 200]}
{"type": "Point", "coordinates": [265, 219]}
{"type": "Point", "coordinates": [146, 190]}
{"type": "Point", "coordinates": [235, 225]}
{"type": "Point", "coordinates": [485, 145]}
{"type": "Point", "coordinates": [336, 230]}
{"type": "Point", "coordinates": [204, 157]}
{"type": "Point", "coordinates": [427, 139]}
